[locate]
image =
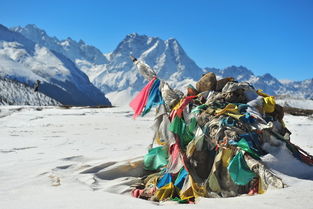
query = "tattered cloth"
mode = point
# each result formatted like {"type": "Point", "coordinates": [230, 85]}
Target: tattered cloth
{"type": "Point", "coordinates": [210, 144]}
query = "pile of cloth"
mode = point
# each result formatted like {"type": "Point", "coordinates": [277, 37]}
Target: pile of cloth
{"type": "Point", "coordinates": [209, 142]}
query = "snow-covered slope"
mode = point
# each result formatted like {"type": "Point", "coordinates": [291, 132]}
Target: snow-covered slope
{"type": "Point", "coordinates": [45, 155]}
{"type": "Point", "coordinates": [25, 61]}
{"type": "Point", "coordinates": [17, 93]}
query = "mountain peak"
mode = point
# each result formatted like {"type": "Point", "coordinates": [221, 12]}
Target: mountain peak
{"type": "Point", "coordinates": [172, 40]}
{"type": "Point", "coordinates": [240, 69]}
{"type": "Point", "coordinates": [167, 58]}
{"type": "Point", "coordinates": [268, 76]}
{"type": "Point", "coordinates": [135, 36]}
{"type": "Point", "coordinates": [32, 27]}
{"type": "Point", "coordinates": [132, 35]}
{"type": "Point", "coordinates": [34, 33]}
{"type": "Point", "coordinates": [240, 73]}
{"type": "Point", "coordinates": [70, 48]}
{"type": "Point", "coordinates": [134, 44]}
{"type": "Point", "coordinates": [139, 37]}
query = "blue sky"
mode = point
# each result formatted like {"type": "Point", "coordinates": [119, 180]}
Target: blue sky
{"type": "Point", "coordinates": [274, 36]}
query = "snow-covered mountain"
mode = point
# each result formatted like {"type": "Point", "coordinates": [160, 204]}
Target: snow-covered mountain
{"type": "Point", "coordinates": [114, 73]}
{"type": "Point", "coordinates": [116, 76]}
{"type": "Point", "coordinates": [17, 93]}
{"type": "Point", "coordinates": [120, 75]}
{"type": "Point", "coordinates": [305, 87]}
{"type": "Point", "coordinates": [120, 79]}
{"type": "Point", "coordinates": [71, 49]}
{"type": "Point", "coordinates": [268, 83]}
{"type": "Point", "coordinates": [23, 60]}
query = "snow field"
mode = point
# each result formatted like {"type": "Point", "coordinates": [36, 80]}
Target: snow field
{"type": "Point", "coordinates": [45, 155]}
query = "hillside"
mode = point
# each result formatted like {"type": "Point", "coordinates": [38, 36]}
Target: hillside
{"type": "Point", "coordinates": [17, 93]}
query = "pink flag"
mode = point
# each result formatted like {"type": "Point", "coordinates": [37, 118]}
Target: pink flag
{"type": "Point", "coordinates": [139, 102]}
